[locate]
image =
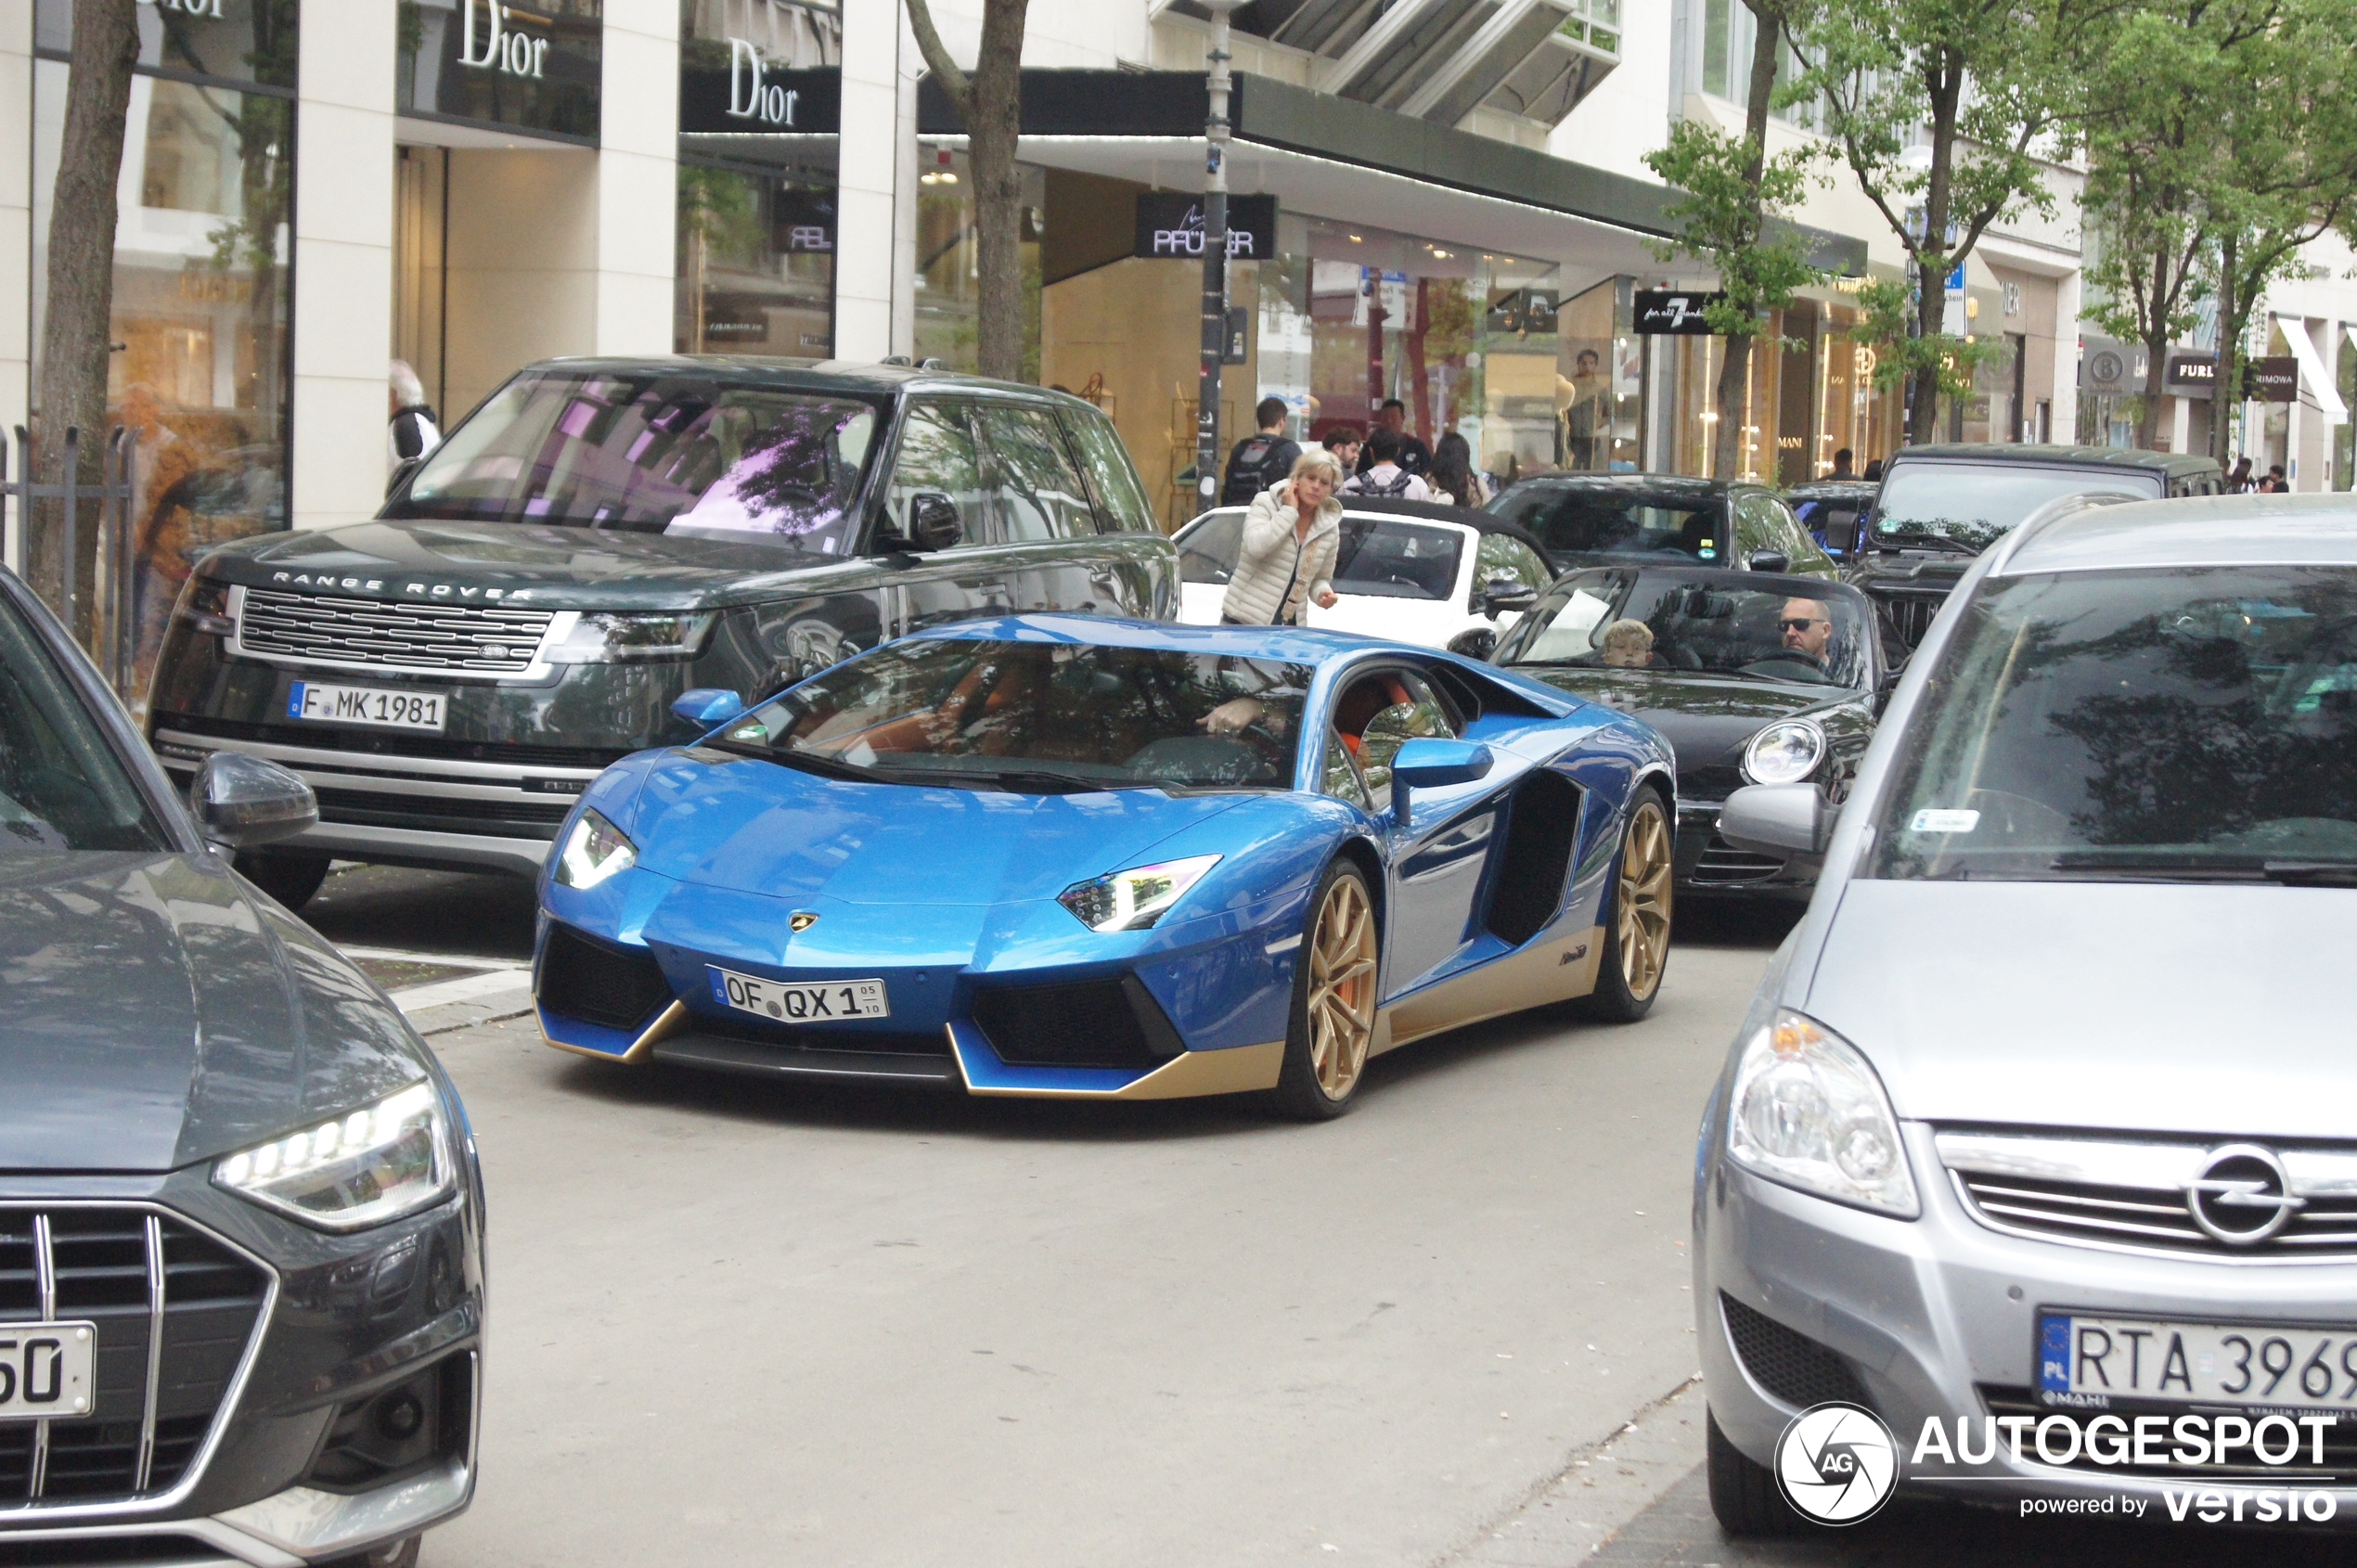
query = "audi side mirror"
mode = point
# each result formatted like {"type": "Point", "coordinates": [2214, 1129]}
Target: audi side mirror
{"type": "Point", "coordinates": [241, 801]}
{"type": "Point", "coordinates": [1778, 820]}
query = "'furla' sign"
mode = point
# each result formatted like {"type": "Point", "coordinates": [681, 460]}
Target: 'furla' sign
{"type": "Point", "coordinates": [752, 98]}
{"type": "Point", "coordinates": [504, 50]}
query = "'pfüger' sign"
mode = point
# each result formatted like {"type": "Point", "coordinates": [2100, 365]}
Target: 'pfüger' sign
{"type": "Point", "coordinates": [1170, 223]}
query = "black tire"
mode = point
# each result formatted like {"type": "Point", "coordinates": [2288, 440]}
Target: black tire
{"type": "Point", "coordinates": [1315, 1088]}
{"type": "Point", "coordinates": [288, 876]}
{"type": "Point", "coordinates": [1744, 1495]}
{"type": "Point", "coordinates": [1621, 995]}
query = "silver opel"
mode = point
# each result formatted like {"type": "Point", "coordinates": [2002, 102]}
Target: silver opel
{"type": "Point", "coordinates": [2039, 1141]}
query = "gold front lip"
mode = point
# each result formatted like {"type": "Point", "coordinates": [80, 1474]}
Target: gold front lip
{"type": "Point", "coordinates": [1238, 1069]}
{"type": "Point", "coordinates": [666, 1022]}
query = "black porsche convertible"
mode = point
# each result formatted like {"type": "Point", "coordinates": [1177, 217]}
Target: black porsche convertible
{"type": "Point", "coordinates": [1753, 677]}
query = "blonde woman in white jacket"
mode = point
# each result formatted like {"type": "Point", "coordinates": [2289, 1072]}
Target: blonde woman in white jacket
{"type": "Point", "coordinates": [1287, 552]}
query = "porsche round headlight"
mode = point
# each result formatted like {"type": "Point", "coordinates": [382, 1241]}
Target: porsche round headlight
{"type": "Point", "coordinates": [1785, 753]}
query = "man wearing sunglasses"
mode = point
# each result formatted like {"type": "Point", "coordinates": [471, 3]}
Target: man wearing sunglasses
{"type": "Point", "coordinates": [1807, 628]}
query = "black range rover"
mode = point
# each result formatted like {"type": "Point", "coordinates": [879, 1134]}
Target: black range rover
{"type": "Point", "coordinates": [603, 535]}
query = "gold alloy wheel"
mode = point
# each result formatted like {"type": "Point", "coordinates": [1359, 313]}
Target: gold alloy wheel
{"type": "Point", "coordinates": [1644, 900]}
{"type": "Point", "coordinates": [1342, 987]}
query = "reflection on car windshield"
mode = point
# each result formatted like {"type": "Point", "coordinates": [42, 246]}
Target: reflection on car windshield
{"type": "Point", "coordinates": [2195, 722]}
{"type": "Point", "coordinates": [1974, 505]}
{"type": "Point", "coordinates": [61, 788]}
{"type": "Point", "coordinates": [1669, 624]}
{"type": "Point", "coordinates": [1046, 717]}
{"type": "Point", "coordinates": [1575, 522]}
{"type": "Point", "coordinates": [669, 453]}
{"type": "Point", "coordinates": [1387, 559]}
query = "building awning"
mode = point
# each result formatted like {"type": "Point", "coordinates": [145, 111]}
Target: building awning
{"type": "Point", "coordinates": [2312, 369]}
{"type": "Point", "coordinates": [1335, 158]}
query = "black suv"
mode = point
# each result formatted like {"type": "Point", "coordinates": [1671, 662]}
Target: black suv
{"type": "Point", "coordinates": [1604, 520]}
{"type": "Point", "coordinates": [1941, 506]}
{"type": "Point", "coordinates": [603, 535]}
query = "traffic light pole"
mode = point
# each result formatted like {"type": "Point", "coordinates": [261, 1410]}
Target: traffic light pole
{"type": "Point", "coordinates": [1215, 259]}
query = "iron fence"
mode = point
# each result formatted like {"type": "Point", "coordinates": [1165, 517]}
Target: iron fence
{"type": "Point", "coordinates": [112, 635]}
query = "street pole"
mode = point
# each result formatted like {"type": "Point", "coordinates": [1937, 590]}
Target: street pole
{"type": "Point", "coordinates": [1215, 259]}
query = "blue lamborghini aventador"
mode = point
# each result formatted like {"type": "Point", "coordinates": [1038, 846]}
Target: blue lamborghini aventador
{"type": "Point", "coordinates": [1068, 856]}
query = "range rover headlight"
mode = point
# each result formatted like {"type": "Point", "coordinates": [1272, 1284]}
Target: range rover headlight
{"type": "Point", "coordinates": [1808, 1112]}
{"type": "Point", "coordinates": [204, 604]}
{"type": "Point", "coordinates": [1134, 899]}
{"type": "Point", "coordinates": [350, 1172]}
{"type": "Point", "coordinates": [594, 851]}
{"type": "Point", "coordinates": [601, 638]}
{"type": "Point", "coordinates": [1785, 753]}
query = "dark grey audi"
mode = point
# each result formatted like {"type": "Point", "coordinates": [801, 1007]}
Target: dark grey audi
{"type": "Point", "coordinates": [241, 1284]}
{"type": "Point", "coordinates": [603, 535]}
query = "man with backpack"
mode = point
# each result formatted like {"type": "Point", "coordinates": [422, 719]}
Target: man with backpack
{"type": "Point", "coordinates": [1262, 461]}
{"type": "Point", "coordinates": [1386, 478]}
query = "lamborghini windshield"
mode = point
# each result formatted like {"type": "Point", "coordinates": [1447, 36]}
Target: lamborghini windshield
{"type": "Point", "coordinates": [1049, 718]}
{"type": "Point", "coordinates": [655, 451]}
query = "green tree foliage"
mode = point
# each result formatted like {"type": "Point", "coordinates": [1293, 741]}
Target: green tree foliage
{"type": "Point", "coordinates": [1942, 110]}
{"type": "Point", "coordinates": [1729, 214]}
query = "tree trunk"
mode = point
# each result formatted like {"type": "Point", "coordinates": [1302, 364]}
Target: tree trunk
{"type": "Point", "coordinates": [2154, 338]}
{"type": "Point", "coordinates": [72, 390]}
{"type": "Point", "coordinates": [990, 101]}
{"type": "Point", "coordinates": [1931, 315]}
{"type": "Point", "coordinates": [2222, 390]}
{"type": "Point", "coordinates": [1726, 451]}
{"type": "Point", "coordinates": [1767, 38]}
{"type": "Point", "coordinates": [991, 130]}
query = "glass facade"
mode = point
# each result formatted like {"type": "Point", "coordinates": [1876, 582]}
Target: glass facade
{"type": "Point", "coordinates": [1805, 399]}
{"type": "Point", "coordinates": [760, 86]}
{"type": "Point", "coordinates": [203, 277]}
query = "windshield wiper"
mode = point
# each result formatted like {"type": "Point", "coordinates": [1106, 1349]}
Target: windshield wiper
{"type": "Point", "coordinates": [1035, 781]}
{"type": "Point", "coordinates": [808, 762]}
{"type": "Point", "coordinates": [2208, 868]}
{"type": "Point", "coordinates": [1935, 541]}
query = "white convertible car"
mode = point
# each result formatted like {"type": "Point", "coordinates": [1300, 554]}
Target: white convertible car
{"type": "Point", "coordinates": [1406, 571]}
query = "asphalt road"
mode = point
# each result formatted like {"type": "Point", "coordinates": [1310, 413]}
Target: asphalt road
{"type": "Point", "coordinates": [739, 1322]}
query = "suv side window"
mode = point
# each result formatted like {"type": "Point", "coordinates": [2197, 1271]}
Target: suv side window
{"type": "Point", "coordinates": [938, 455]}
{"type": "Point", "coordinates": [1121, 505]}
{"type": "Point", "coordinates": [1041, 496]}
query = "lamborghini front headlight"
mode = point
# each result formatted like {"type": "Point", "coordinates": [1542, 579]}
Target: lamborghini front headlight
{"type": "Point", "coordinates": [1134, 899]}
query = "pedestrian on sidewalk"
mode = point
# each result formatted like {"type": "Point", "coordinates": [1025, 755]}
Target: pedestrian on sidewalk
{"type": "Point", "coordinates": [1415, 455]}
{"type": "Point", "coordinates": [1453, 476]}
{"type": "Point", "coordinates": [1345, 443]}
{"type": "Point", "coordinates": [1387, 476]}
{"type": "Point", "coordinates": [412, 432]}
{"type": "Point", "coordinates": [2239, 482]}
{"type": "Point", "coordinates": [1260, 461]}
{"type": "Point", "coordinates": [1287, 552]}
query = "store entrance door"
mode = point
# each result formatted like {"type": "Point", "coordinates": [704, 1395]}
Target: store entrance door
{"type": "Point", "coordinates": [420, 268]}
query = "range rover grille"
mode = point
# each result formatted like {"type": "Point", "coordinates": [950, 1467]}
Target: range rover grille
{"type": "Point", "coordinates": [477, 639]}
{"type": "Point", "coordinates": [160, 1292]}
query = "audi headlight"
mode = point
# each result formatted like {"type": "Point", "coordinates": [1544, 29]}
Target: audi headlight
{"type": "Point", "coordinates": [1785, 752]}
{"type": "Point", "coordinates": [595, 850]}
{"type": "Point", "coordinates": [601, 639]}
{"type": "Point", "coordinates": [1809, 1112]}
{"type": "Point", "coordinates": [1134, 899]}
{"type": "Point", "coordinates": [374, 1164]}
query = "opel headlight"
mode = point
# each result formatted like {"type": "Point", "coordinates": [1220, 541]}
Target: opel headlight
{"type": "Point", "coordinates": [1134, 899]}
{"type": "Point", "coordinates": [1809, 1112]}
{"type": "Point", "coordinates": [601, 639]}
{"type": "Point", "coordinates": [375, 1165]}
{"type": "Point", "coordinates": [1785, 752]}
{"type": "Point", "coordinates": [594, 851]}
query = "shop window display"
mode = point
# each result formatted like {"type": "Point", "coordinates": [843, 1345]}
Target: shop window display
{"type": "Point", "coordinates": [948, 261]}
{"type": "Point", "coordinates": [202, 280]}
